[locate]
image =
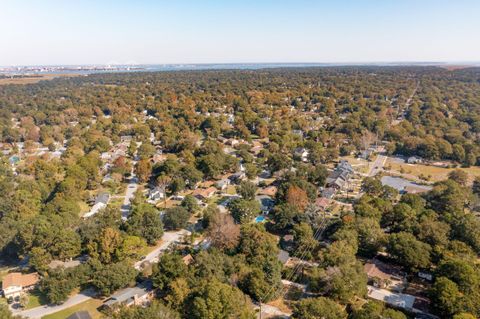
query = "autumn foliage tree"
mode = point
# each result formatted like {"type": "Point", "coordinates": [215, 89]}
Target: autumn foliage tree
{"type": "Point", "coordinates": [297, 197]}
{"type": "Point", "coordinates": [223, 231]}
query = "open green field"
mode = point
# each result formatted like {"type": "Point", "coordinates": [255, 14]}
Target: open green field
{"type": "Point", "coordinates": [90, 306]}
{"type": "Point", "coordinates": [432, 173]}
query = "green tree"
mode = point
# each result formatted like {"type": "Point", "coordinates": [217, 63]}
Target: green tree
{"type": "Point", "coordinates": [176, 218]}
{"type": "Point", "coordinates": [155, 310]}
{"type": "Point", "coordinates": [247, 190]}
{"type": "Point", "coordinates": [191, 204]}
{"type": "Point", "coordinates": [405, 249]}
{"type": "Point", "coordinates": [459, 176]}
{"type": "Point", "coordinates": [344, 282]}
{"type": "Point", "coordinates": [169, 267]}
{"type": "Point", "coordinates": [216, 300]}
{"type": "Point", "coordinates": [244, 211]}
{"type": "Point", "coordinates": [131, 247]}
{"type": "Point", "coordinates": [445, 296]}
{"type": "Point", "coordinates": [145, 222]}
{"type": "Point", "coordinates": [376, 310]}
{"type": "Point", "coordinates": [112, 277]}
{"type": "Point", "coordinates": [321, 307]}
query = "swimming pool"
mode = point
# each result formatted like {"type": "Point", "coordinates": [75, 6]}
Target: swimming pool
{"type": "Point", "coordinates": [260, 219]}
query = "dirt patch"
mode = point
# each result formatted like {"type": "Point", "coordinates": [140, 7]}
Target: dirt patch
{"type": "Point", "coordinates": [33, 79]}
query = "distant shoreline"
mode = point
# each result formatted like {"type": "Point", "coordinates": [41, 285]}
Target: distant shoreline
{"type": "Point", "coordinates": [92, 69]}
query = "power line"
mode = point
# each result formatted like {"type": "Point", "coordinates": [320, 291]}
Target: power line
{"type": "Point", "coordinates": [303, 251]}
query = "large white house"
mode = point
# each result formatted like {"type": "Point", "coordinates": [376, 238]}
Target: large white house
{"type": "Point", "coordinates": [15, 283]}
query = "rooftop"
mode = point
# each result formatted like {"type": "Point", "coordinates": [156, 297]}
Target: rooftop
{"type": "Point", "coordinates": [19, 279]}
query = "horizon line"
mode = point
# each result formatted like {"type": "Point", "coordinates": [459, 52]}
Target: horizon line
{"type": "Point", "coordinates": [445, 62]}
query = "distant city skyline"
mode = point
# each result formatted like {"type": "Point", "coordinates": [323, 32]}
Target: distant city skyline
{"type": "Point", "coordinates": [54, 32]}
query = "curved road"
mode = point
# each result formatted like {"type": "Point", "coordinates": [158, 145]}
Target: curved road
{"type": "Point", "coordinates": [39, 312]}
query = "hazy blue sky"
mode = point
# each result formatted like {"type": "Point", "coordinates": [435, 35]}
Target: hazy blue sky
{"type": "Point", "coordinates": [202, 31]}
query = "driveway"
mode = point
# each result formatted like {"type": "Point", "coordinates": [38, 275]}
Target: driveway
{"type": "Point", "coordinates": [167, 239]}
{"type": "Point", "coordinates": [39, 312]}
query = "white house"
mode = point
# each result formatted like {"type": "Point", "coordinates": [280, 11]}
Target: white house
{"type": "Point", "coordinates": [301, 153]}
{"type": "Point", "coordinates": [15, 283]}
{"type": "Point", "coordinates": [100, 203]}
{"type": "Point", "coordinates": [156, 194]}
{"type": "Point", "coordinates": [414, 160]}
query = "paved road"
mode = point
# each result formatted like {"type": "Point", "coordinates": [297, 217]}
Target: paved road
{"type": "Point", "coordinates": [39, 312]}
{"type": "Point", "coordinates": [272, 312]}
{"type": "Point", "coordinates": [129, 194]}
{"type": "Point", "coordinates": [377, 165]}
{"type": "Point", "coordinates": [167, 239]}
{"type": "Point", "coordinates": [404, 111]}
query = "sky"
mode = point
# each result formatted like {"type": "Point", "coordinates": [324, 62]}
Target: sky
{"type": "Point", "coordinates": [68, 32]}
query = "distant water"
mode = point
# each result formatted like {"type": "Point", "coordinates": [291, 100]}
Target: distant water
{"type": "Point", "coordinates": [90, 69]}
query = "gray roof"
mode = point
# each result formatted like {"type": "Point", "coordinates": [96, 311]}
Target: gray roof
{"type": "Point", "coordinates": [125, 295]}
{"type": "Point", "coordinates": [283, 256]}
{"type": "Point", "coordinates": [102, 198]}
{"type": "Point", "coordinates": [328, 192]}
{"type": "Point", "coordinates": [80, 315]}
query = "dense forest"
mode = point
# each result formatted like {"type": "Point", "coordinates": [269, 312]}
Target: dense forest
{"type": "Point", "coordinates": [189, 119]}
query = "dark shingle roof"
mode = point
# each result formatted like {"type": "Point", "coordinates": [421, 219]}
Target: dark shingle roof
{"type": "Point", "coordinates": [80, 315]}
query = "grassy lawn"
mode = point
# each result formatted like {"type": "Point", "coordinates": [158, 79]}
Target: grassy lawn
{"type": "Point", "coordinates": [145, 251]}
{"type": "Point", "coordinates": [35, 299]}
{"type": "Point", "coordinates": [116, 202]}
{"type": "Point", "coordinates": [84, 208]}
{"type": "Point", "coordinates": [89, 305]}
{"type": "Point", "coordinates": [432, 173]}
{"type": "Point", "coordinates": [3, 272]}
{"type": "Point", "coordinates": [231, 190]}
{"type": "Point", "coordinates": [359, 165]}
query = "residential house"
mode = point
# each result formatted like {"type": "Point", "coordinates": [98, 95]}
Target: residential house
{"type": "Point", "coordinates": [328, 193]}
{"type": "Point", "coordinates": [322, 203]}
{"type": "Point", "coordinates": [283, 256]}
{"type": "Point", "coordinates": [301, 153]}
{"type": "Point", "coordinates": [204, 193]}
{"type": "Point", "coordinates": [13, 284]}
{"type": "Point", "coordinates": [266, 203]}
{"type": "Point", "coordinates": [206, 184]}
{"type": "Point", "coordinates": [256, 149]}
{"type": "Point", "coordinates": [365, 154]}
{"type": "Point", "coordinates": [340, 175]}
{"type": "Point", "coordinates": [156, 194]}
{"type": "Point", "coordinates": [298, 132]}
{"type": "Point", "coordinates": [136, 296]}
{"type": "Point", "coordinates": [222, 184]}
{"type": "Point", "coordinates": [100, 203]}
{"type": "Point", "coordinates": [383, 275]}
{"type": "Point", "coordinates": [268, 191]}
{"type": "Point", "coordinates": [287, 243]}
{"type": "Point", "coordinates": [414, 160]}
{"type": "Point", "coordinates": [425, 275]}
{"type": "Point", "coordinates": [237, 177]}
{"type": "Point", "coordinates": [80, 315]}
{"type": "Point", "coordinates": [188, 259]}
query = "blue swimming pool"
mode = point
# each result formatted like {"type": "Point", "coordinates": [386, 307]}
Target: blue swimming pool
{"type": "Point", "coordinates": [260, 219]}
